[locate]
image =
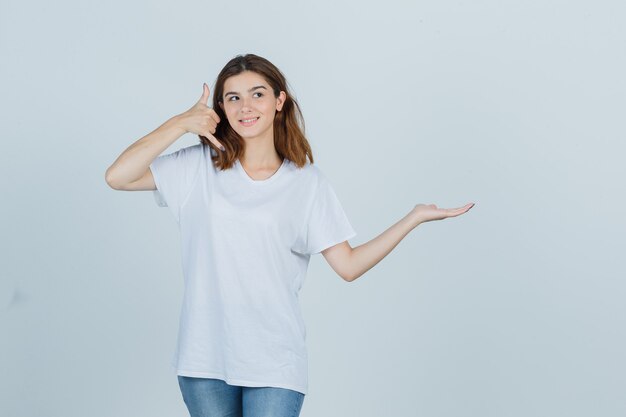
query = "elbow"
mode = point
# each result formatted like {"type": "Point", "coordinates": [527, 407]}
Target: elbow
{"type": "Point", "coordinates": [110, 183]}
{"type": "Point", "coordinates": [108, 177]}
{"type": "Point", "coordinates": [349, 276]}
{"type": "Point", "coordinates": [348, 272]}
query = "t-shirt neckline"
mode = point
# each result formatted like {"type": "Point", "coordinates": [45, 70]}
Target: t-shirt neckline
{"type": "Point", "coordinates": [244, 174]}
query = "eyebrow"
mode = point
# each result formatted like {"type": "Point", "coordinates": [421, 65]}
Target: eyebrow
{"type": "Point", "coordinates": [252, 89]}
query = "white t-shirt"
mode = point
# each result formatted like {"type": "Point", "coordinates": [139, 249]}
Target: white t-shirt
{"type": "Point", "coordinates": [246, 246]}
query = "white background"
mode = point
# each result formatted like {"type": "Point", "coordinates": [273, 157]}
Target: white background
{"type": "Point", "coordinates": [513, 309]}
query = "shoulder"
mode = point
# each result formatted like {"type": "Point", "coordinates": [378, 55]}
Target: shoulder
{"type": "Point", "coordinates": [184, 160]}
{"type": "Point", "coordinates": [309, 176]}
{"type": "Point", "coordinates": [308, 171]}
{"type": "Point", "coordinates": [193, 155]}
{"type": "Point", "coordinates": [184, 153]}
{"type": "Point", "coordinates": [194, 150]}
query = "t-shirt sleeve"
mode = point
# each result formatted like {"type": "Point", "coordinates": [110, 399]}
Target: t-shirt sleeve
{"type": "Point", "coordinates": [327, 223]}
{"type": "Point", "coordinates": [174, 175]}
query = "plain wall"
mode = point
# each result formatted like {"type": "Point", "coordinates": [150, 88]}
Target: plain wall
{"type": "Point", "coordinates": [515, 308]}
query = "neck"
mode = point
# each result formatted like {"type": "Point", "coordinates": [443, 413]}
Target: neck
{"type": "Point", "coordinates": [261, 153]}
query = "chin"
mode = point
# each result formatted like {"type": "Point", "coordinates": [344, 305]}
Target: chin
{"type": "Point", "coordinates": [247, 134]}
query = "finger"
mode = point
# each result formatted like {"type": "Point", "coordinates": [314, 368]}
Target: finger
{"type": "Point", "coordinates": [214, 115]}
{"type": "Point", "coordinates": [453, 212]}
{"type": "Point", "coordinates": [214, 141]}
{"type": "Point", "coordinates": [212, 124]}
{"type": "Point", "coordinates": [465, 207]}
{"type": "Point", "coordinates": [204, 99]}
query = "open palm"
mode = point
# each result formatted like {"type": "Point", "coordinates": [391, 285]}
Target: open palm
{"type": "Point", "coordinates": [428, 212]}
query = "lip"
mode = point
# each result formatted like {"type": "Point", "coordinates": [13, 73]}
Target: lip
{"type": "Point", "coordinates": [249, 124]}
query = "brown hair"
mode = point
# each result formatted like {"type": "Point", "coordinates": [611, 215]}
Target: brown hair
{"type": "Point", "coordinates": [289, 139]}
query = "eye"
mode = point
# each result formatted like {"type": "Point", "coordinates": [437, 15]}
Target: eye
{"type": "Point", "coordinates": [231, 97]}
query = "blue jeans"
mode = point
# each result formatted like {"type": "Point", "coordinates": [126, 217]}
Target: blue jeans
{"type": "Point", "coordinates": [208, 397]}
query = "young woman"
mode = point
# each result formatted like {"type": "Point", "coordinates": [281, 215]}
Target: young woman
{"type": "Point", "coordinates": [251, 210]}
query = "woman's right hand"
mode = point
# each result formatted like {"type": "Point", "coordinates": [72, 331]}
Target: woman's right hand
{"type": "Point", "coordinates": [201, 119]}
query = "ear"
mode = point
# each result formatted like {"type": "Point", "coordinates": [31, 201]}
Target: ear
{"type": "Point", "coordinates": [221, 105]}
{"type": "Point", "coordinates": [280, 100]}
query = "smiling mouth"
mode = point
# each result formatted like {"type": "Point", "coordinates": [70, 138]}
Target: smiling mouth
{"type": "Point", "coordinates": [248, 122]}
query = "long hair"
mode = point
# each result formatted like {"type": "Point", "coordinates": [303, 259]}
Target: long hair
{"type": "Point", "coordinates": [289, 139]}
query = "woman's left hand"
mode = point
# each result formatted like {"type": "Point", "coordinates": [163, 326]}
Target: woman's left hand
{"type": "Point", "coordinates": [423, 213]}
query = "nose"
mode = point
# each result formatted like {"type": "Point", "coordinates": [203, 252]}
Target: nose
{"type": "Point", "coordinates": [245, 105]}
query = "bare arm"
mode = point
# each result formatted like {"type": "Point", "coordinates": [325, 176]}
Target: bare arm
{"type": "Point", "coordinates": [133, 163]}
{"type": "Point", "coordinates": [350, 263]}
{"type": "Point", "coordinates": [131, 170]}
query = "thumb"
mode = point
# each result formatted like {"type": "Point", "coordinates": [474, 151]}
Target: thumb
{"type": "Point", "coordinates": [204, 99]}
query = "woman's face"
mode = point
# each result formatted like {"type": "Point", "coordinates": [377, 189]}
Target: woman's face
{"type": "Point", "coordinates": [248, 96]}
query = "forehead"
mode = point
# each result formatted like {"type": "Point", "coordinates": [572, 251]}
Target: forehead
{"type": "Point", "coordinates": [243, 81]}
